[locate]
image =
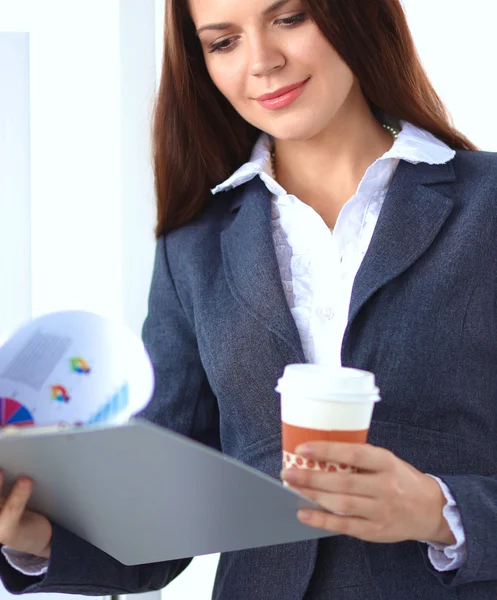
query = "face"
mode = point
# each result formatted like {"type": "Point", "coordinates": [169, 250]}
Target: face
{"type": "Point", "coordinates": [273, 65]}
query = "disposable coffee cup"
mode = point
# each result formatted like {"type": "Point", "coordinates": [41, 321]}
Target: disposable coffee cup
{"type": "Point", "coordinates": [320, 403]}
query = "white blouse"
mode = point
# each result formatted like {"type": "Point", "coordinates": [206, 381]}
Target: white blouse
{"type": "Point", "coordinates": [318, 266]}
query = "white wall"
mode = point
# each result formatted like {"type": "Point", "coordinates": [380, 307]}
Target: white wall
{"type": "Point", "coordinates": [15, 175]}
{"type": "Point", "coordinates": [90, 224]}
{"type": "Point", "coordinates": [137, 96]}
{"type": "Point", "coordinates": [457, 44]}
{"type": "Point", "coordinates": [76, 188]}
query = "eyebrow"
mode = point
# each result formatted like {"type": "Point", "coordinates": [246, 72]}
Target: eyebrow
{"type": "Point", "coordinates": [221, 26]}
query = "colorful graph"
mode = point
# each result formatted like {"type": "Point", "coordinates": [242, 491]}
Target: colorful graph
{"type": "Point", "coordinates": [13, 412]}
{"type": "Point", "coordinates": [60, 393]}
{"type": "Point", "coordinates": [118, 402]}
{"type": "Point", "coordinates": [79, 365]}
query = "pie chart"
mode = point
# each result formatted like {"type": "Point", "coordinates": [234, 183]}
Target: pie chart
{"type": "Point", "coordinates": [14, 413]}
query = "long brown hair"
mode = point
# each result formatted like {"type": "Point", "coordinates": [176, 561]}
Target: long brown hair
{"type": "Point", "coordinates": [199, 139]}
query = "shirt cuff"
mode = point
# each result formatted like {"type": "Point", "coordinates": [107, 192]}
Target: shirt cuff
{"type": "Point", "coordinates": [27, 564]}
{"type": "Point", "coordinates": [443, 557]}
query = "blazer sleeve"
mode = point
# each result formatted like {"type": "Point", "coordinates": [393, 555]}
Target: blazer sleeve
{"type": "Point", "coordinates": [182, 401]}
{"type": "Point", "coordinates": [476, 498]}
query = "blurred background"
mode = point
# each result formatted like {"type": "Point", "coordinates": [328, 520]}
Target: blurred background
{"type": "Point", "coordinates": [77, 86]}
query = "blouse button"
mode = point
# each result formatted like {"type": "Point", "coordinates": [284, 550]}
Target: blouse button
{"type": "Point", "coordinates": [326, 312]}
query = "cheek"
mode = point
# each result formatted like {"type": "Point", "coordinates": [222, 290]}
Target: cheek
{"type": "Point", "coordinates": [335, 75]}
{"type": "Point", "coordinates": [227, 80]}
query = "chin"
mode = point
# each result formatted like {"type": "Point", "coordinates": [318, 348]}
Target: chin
{"type": "Point", "coordinates": [295, 128]}
{"type": "Point", "coordinates": [297, 133]}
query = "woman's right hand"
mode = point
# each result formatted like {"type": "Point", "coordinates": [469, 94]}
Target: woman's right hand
{"type": "Point", "coordinates": [22, 529]}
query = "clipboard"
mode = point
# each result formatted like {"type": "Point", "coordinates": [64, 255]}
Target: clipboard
{"type": "Point", "coordinates": [144, 494]}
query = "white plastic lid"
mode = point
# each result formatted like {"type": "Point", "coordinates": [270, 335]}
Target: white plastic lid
{"type": "Point", "coordinates": [324, 382]}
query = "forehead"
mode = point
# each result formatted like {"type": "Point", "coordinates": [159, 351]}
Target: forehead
{"type": "Point", "coordinates": [204, 11]}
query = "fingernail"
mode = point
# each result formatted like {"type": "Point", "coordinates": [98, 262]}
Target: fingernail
{"type": "Point", "coordinates": [305, 515]}
{"type": "Point", "coordinates": [304, 450]}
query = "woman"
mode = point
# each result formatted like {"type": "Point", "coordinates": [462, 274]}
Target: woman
{"type": "Point", "coordinates": [305, 117]}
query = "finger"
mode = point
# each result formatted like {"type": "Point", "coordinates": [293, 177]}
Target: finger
{"type": "Point", "coordinates": [2, 498]}
{"type": "Point", "coordinates": [352, 526]}
{"type": "Point", "coordinates": [356, 506]}
{"type": "Point", "coordinates": [13, 509]}
{"type": "Point", "coordinates": [361, 456]}
{"type": "Point", "coordinates": [359, 484]}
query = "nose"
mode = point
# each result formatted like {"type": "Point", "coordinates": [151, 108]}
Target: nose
{"type": "Point", "coordinates": [264, 56]}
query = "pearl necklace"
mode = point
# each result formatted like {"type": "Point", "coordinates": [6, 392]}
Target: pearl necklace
{"type": "Point", "coordinates": [392, 130]}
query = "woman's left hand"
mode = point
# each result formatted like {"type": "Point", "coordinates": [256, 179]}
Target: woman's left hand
{"type": "Point", "coordinates": [387, 500]}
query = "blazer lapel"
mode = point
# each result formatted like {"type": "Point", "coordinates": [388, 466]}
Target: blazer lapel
{"type": "Point", "coordinates": [251, 266]}
{"type": "Point", "coordinates": [411, 218]}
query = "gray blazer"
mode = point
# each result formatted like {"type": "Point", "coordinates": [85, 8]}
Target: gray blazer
{"type": "Point", "coordinates": [423, 318]}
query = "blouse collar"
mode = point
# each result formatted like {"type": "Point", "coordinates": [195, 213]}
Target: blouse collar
{"type": "Point", "coordinates": [413, 145]}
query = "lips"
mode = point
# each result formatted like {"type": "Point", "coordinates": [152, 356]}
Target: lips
{"type": "Point", "coordinates": [283, 97]}
{"type": "Point", "coordinates": [281, 92]}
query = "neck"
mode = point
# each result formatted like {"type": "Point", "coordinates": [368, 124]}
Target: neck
{"type": "Point", "coordinates": [325, 171]}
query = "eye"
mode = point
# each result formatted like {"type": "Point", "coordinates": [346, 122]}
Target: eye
{"type": "Point", "coordinates": [292, 21]}
{"type": "Point", "coordinates": [222, 46]}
